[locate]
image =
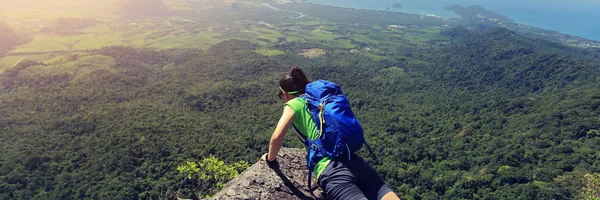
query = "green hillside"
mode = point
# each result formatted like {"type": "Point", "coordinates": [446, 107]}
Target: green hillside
{"type": "Point", "coordinates": [451, 113]}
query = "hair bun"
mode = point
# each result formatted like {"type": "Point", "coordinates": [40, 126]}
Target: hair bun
{"type": "Point", "coordinates": [295, 71]}
{"type": "Point", "coordinates": [294, 80]}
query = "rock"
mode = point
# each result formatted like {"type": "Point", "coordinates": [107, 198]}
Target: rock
{"type": "Point", "coordinates": [259, 181]}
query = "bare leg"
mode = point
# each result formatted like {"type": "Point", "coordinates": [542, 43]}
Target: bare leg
{"type": "Point", "coordinates": [390, 196]}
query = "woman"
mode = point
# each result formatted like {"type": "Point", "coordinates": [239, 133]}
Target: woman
{"type": "Point", "coordinates": [339, 178]}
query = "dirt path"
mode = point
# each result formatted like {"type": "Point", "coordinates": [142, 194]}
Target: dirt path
{"type": "Point", "coordinates": [18, 62]}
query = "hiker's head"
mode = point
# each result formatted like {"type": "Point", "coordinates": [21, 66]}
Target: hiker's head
{"type": "Point", "coordinates": [292, 84]}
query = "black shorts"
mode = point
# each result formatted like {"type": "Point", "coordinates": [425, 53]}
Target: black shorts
{"type": "Point", "coordinates": [351, 179]}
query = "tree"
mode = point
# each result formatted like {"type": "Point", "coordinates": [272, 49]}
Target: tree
{"type": "Point", "coordinates": [591, 191]}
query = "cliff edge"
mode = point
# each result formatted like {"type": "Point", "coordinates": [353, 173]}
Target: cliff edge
{"type": "Point", "coordinates": [259, 181]}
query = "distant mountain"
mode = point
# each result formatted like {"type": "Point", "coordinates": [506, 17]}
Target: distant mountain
{"type": "Point", "coordinates": [8, 38]}
{"type": "Point", "coordinates": [477, 17]}
{"type": "Point", "coordinates": [144, 8]}
{"type": "Point", "coordinates": [477, 12]}
{"type": "Point", "coordinates": [501, 60]}
{"type": "Point", "coordinates": [396, 5]}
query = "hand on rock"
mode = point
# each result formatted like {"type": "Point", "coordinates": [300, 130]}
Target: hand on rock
{"type": "Point", "coordinates": [272, 164]}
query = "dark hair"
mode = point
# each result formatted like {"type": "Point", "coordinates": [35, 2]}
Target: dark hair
{"type": "Point", "coordinates": [294, 81]}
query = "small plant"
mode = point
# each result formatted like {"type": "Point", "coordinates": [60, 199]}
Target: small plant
{"type": "Point", "coordinates": [208, 176]}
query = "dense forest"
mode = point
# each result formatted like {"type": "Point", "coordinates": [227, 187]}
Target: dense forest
{"type": "Point", "coordinates": [495, 116]}
{"type": "Point", "coordinates": [462, 114]}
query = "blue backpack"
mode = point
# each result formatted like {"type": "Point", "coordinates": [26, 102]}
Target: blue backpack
{"type": "Point", "coordinates": [340, 133]}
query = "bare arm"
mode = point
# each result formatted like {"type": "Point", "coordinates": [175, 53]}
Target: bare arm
{"type": "Point", "coordinates": [277, 138]}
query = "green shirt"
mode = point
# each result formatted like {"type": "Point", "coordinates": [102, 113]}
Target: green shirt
{"type": "Point", "coordinates": [306, 125]}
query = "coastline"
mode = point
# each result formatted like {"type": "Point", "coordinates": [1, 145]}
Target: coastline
{"type": "Point", "coordinates": [578, 24]}
{"type": "Point", "coordinates": [301, 15]}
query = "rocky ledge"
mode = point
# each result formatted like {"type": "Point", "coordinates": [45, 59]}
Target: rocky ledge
{"type": "Point", "coordinates": [259, 181]}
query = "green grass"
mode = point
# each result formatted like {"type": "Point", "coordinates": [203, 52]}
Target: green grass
{"type": "Point", "coordinates": [104, 35]}
{"type": "Point", "coordinates": [183, 39]}
{"type": "Point", "coordinates": [41, 57]}
{"type": "Point", "coordinates": [423, 35]}
{"type": "Point", "coordinates": [169, 66]}
{"type": "Point", "coordinates": [46, 43]}
{"type": "Point", "coordinates": [266, 36]}
{"type": "Point", "coordinates": [97, 37]}
{"type": "Point", "coordinates": [89, 64]}
{"type": "Point", "coordinates": [377, 27]}
{"type": "Point", "coordinates": [96, 60]}
{"type": "Point", "coordinates": [293, 38]}
{"type": "Point", "coordinates": [178, 5]}
{"type": "Point", "coordinates": [374, 56]}
{"type": "Point", "coordinates": [310, 23]}
{"type": "Point", "coordinates": [27, 9]}
{"type": "Point", "coordinates": [394, 72]}
{"type": "Point", "coordinates": [366, 39]}
{"type": "Point", "coordinates": [8, 61]}
{"type": "Point", "coordinates": [137, 37]}
{"type": "Point", "coordinates": [316, 35]}
{"type": "Point", "coordinates": [79, 68]}
{"type": "Point", "coordinates": [270, 52]}
{"type": "Point", "coordinates": [90, 38]}
{"type": "Point", "coordinates": [342, 43]}
{"type": "Point", "coordinates": [328, 28]}
{"type": "Point", "coordinates": [322, 35]}
{"type": "Point", "coordinates": [58, 60]}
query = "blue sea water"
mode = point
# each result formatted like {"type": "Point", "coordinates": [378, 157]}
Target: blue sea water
{"type": "Point", "coordinates": [574, 17]}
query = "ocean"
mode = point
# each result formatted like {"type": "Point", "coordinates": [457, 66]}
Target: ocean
{"type": "Point", "coordinates": [575, 17]}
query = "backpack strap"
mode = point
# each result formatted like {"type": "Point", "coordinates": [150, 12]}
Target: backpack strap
{"type": "Point", "coordinates": [312, 157]}
{"type": "Point", "coordinates": [371, 151]}
{"type": "Point", "coordinates": [302, 138]}
{"type": "Point", "coordinates": [321, 119]}
{"type": "Point", "coordinates": [310, 189]}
